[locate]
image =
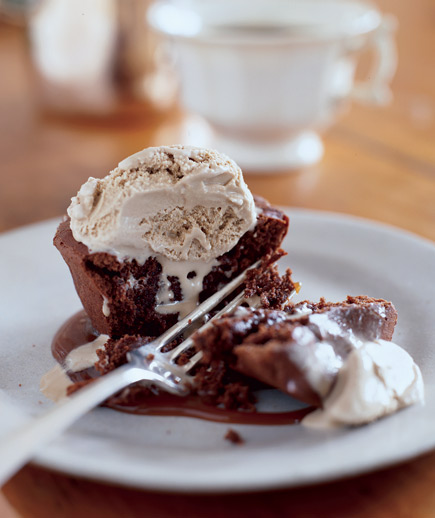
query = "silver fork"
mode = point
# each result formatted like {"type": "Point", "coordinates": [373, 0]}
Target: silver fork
{"type": "Point", "coordinates": [146, 363]}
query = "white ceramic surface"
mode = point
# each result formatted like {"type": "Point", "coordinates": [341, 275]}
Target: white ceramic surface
{"type": "Point", "coordinates": [333, 256]}
{"type": "Point", "coordinates": [265, 74]}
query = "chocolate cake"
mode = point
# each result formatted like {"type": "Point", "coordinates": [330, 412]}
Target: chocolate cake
{"type": "Point", "coordinates": [120, 297]}
{"type": "Point", "coordinates": [298, 350]}
{"type": "Point", "coordinates": [165, 230]}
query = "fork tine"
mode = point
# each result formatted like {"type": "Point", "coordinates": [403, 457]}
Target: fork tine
{"type": "Point", "coordinates": [201, 310]}
{"type": "Point", "coordinates": [185, 344]}
{"type": "Point", "coordinates": [167, 373]}
{"type": "Point", "coordinates": [192, 362]}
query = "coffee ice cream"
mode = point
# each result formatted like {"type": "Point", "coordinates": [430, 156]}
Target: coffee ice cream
{"type": "Point", "coordinates": [184, 203]}
{"type": "Point", "coordinates": [163, 231]}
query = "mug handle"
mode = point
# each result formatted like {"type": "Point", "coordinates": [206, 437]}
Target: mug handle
{"type": "Point", "coordinates": [376, 89]}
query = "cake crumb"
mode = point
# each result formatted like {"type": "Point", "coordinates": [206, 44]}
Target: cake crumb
{"type": "Point", "coordinates": [234, 437]}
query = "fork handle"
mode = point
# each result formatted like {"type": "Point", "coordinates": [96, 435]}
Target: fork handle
{"type": "Point", "coordinates": [20, 446]}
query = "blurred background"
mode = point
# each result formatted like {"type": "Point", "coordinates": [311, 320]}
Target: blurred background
{"type": "Point", "coordinates": [309, 101]}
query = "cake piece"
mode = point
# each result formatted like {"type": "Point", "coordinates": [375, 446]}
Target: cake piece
{"type": "Point", "coordinates": [300, 349]}
{"type": "Point", "coordinates": [162, 232]}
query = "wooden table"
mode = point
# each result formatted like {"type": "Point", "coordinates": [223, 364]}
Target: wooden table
{"type": "Point", "coordinates": [379, 164]}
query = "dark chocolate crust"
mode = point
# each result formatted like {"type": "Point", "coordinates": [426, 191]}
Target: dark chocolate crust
{"type": "Point", "coordinates": [100, 278]}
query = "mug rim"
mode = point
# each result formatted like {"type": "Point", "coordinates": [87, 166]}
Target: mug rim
{"type": "Point", "coordinates": [190, 26]}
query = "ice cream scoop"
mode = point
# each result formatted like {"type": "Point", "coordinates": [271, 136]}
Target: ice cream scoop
{"type": "Point", "coordinates": [181, 202]}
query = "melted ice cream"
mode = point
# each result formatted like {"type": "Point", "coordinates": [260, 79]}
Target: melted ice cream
{"type": "Point", "coordinates": [377, 379]}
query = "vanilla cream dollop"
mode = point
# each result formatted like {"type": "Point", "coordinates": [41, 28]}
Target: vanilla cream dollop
{"type": "Point", "coordinates": [181, 202]}
{"type": "Point", "coordinates": [377, 379]}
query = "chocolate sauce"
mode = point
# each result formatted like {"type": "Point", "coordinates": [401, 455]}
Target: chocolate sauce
{"type": "Point", "coordinates": [192, 406]}
{"type": "Point", "coordinates": [78, 331]}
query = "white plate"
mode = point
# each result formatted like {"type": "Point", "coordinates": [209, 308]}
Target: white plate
{"type": "Point", "coordinates": [333, 256]}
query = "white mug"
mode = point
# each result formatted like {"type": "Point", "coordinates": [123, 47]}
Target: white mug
{"type": "Point", "coordinates": [266, 76]}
